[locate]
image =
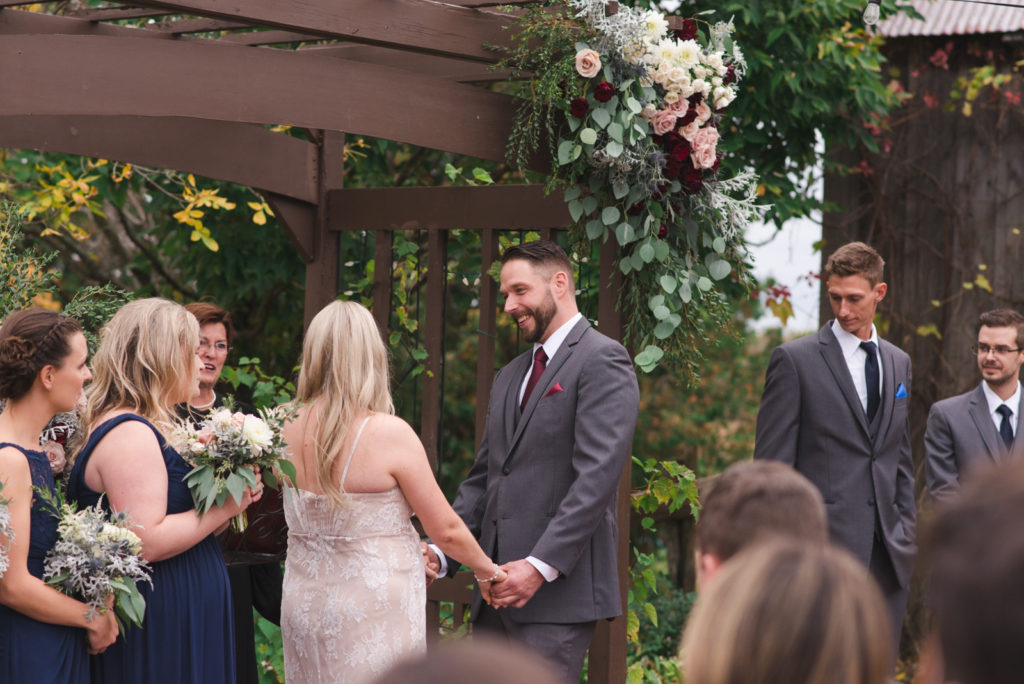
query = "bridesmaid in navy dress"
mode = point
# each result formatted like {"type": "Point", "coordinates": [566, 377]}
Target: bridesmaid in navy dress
{"type": "Point", "coordinates": [147, 363]}
{"type": "Point", "coordinates": [44, 635]}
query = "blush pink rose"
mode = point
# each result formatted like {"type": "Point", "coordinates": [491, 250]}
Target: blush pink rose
{"type": "Point", "coordinates": [703, 113]}
{"type": "Point", "coordinates": [663, 122]}
{"type": "Point", "coordinates": [704, 148]}
{"type": "Point", "coordinates": [588, 63]}
{"type": "Point", "coordinates": [205, 436]}
{"type": "Point", "coordinates": [238, 418]}
{"type": "Point", "coordinates": [689, 130]}
{"type": "Point", "coordinates": [55, 454]}
{"type": "Point", "coordinates": [679, 107]}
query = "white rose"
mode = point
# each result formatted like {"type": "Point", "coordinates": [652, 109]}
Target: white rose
{"type": "Point", "coordinates": [221, 418]}
{"type": "Point", "coordinates": [701, 86]}
{"type": "Point", "coordinates": [671, 97]}
{"type": "Point", "coordinates": [722, 97]}
{"type": "Point", "coordinates": [196, 447]}
{"type": "Point", "coordinates": [257, 433]}
{"type": "Point", "coordinates": [716, 81]}
{"type": "Point", "coordinates": [714, 60]}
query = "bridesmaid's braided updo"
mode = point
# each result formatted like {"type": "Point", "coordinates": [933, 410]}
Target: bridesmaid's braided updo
{"type": "Point", "coordinates": [29, 340]}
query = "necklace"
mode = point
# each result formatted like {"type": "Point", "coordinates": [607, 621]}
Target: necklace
{"type": "Point", "coordinates": [203, 407]}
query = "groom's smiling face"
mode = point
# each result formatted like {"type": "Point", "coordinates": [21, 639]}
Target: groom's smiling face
{"type": "Point", "coordinates": [528, 299]}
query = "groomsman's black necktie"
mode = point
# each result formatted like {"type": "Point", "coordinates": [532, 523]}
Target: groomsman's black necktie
{"type": "Point", "coordinates": [540, 361]}
{"type": "Point", "coordinates": [871, 378]}
{"type": "Point", "coordinates": [1005, 431]}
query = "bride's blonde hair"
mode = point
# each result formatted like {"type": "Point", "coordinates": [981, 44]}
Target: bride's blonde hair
{"type": "Point", "coordinates": [145, 362]}
{"type": "Point", "coordinates": [344, 371]}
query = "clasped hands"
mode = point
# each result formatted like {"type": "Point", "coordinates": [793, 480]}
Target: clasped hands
{"type": "Point", "coordinates": [516, 583]}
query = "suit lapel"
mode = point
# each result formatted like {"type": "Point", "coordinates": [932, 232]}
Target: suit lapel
{"type": "Point", "coordinates": [888, 390]}
{"type": "Point", "coordinates": [519, 367]}
{"type": "Point", "coordinates": [983, 421]}
{"type": "Point", "coordinates": [1018, 440]}
{"type": "Point", "coordinates": [547, 381]}
{"type": "Point", "coordinates": [832, 353]}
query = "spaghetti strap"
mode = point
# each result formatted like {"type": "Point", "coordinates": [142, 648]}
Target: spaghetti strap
{"type": "Point", "coordinates": [351, 452]}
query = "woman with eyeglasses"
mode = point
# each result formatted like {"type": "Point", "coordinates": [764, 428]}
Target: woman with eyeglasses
{"type": "Point", "coordinates": [253, 584]}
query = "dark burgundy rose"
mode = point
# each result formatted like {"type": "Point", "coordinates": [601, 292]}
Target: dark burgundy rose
{"type": "Point", "coordinates": [671, 170]}
{"type": "Point", "coordinates": [730, 75]}
{"type": "Point", "coordinates": [692, 180]}
{"type": "Point", "coordinates": [663, 231]}
{"type": "Point", "coordinates": [688, 32]}
{"type": "Point", "coordinates": [680, 152]}
{"type": "Point", "coordinates": [579, 107]}
{"type": "Point", "coordinates": [718, 162]}
{"type": "Point", "coordinates": [659, 191]}
{"type": "Point", "coordinates": [604, 91]}
{"type": "Point", "coordinates": [695, 99]}
{"type": "Point", "coordinates": [635, 209]}
{"type": "Point", "coordinates": [657, 139]}
{"type": "Point", "coordinates": [669, 140]}
{"type": "Point", "coordinates": [686, 120]}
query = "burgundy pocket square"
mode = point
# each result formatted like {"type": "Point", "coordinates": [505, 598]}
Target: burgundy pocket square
{"type": "Point", "coordinates": [554, 390]}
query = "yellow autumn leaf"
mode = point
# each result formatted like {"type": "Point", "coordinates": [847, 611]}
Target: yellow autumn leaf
{"type": "Point", "coordinates": [255, 206]}
{"type": "Point", "coordinates": [259, 218]}
{"type": "Point", "coordinates": [982, 282]}
{"type": "Point", "coordinates": [929, 329]}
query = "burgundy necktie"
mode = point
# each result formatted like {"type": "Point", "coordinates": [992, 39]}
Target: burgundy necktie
{"type": "Point", "coordinates": [540, 360]}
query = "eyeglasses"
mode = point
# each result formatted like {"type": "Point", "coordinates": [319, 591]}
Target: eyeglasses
{"type": "Point", "coordinates": [981, 349]}
{"type": "Point", "coordinates": [219, 347]}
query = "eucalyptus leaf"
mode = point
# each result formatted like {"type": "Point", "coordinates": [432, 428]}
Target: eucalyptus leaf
{"type": "Point", "coordinates": [647, 252]}
{"type": "Point", "coordinates": [236, 486]}
{"type": "Point", "coordinates": [684, 292]}
{"type": "Point", "coordinates": [704, 284]}
{"type": "Point", "coordinates": [625, 266]}
{"type": "Point", "coordinates": [572, 192]}
{"type": "Point", "coordinates": [624, 234]}
{"type": "Point", "coordinates": [661, 312]}
{"type": "Point", "coordinates": [601, 117]}
{"type": "Point", "coordinates": [664, 329]}
{"type": "Point", "coordinates": [613, 149]}
{"type": "Point", "coordinates": [588, 136]}
{"type": "Point", "coordinates": [576, 152]}
{"type": "Point", "coordinates": [655, 301]}
{"type": "Point", "coordinates": [575, 210]}
{"type": "Point", "coordinates": [589, 204]}
{"type": "Point", "coordinates": [667, 282]}
{"type": "Point", "coordinates": [720, 269]}
{"type": "Point", "coordinates": [595, 229]}
{"type": "Point", "coordinates": [633, 105]}
{"type": "Point", "coordinates": [719, 244]}
{"type": "Point", "coordinates": [615, 131]}
{"type": "Point", "coordinates": [565, 151]}
{"type": "Point", "coordinates": [619, 189]}
{"type": "Point", "coordinates": [661, 250]}
{"type": "Point", "coordinates": [610, 215]}
{"type": "Point", "coordinates": [638, 263]}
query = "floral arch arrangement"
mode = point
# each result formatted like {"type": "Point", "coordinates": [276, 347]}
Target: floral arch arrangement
{"type": "Point", "coordinates": [632, 112]}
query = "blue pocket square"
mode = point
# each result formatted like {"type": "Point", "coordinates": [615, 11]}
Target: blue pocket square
{"type": "Point", "coordinates": [901, 391]}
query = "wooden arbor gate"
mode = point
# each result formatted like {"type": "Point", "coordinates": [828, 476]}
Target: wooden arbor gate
{"type": "Point", "coordinates": [168, 95]}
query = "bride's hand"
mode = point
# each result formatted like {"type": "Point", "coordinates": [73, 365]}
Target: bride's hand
{"type": "Point", "coordinates": [485, 587]}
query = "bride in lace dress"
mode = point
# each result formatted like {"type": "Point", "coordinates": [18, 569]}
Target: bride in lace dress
{"type": "Point", "coordinates": [354, 586]}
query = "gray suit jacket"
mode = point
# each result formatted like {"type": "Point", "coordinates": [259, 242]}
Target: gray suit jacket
{"type": "Point", "coordinates": [960, 435]}
{"type": "Point", "coordinates": [545, 482]}
{"type": "Point", "coordinates": [812, 419]}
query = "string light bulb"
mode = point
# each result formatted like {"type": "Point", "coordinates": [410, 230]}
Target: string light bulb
{"type": "Point", "coordinates": [871, 12]}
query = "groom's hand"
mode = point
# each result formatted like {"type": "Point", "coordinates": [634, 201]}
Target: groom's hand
{"type": "Point", "coordinates": [522, 583]}
{"type": "Point", "coordinates": [431, 563]}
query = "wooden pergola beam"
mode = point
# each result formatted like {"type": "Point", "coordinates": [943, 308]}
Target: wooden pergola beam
{"type": "Point", "coordinates": [404, 24]}
{"type": "Point", "coordinates": [182, 26]}
{"type": "Point", "coordinates": [227, 151]}
{"type": "Point", "coordinates": [485, 207]}
{"type": "Point", "coordinates": [71, 74]}
{"type": "Point", "coordinates": [460, 70]}
{"type": "Point", "coordinates": [115, 13]}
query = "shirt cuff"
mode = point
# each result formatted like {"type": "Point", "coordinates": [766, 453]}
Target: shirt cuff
{"type": "Point", "coordinates": [550, 574]}
{"type": "Point", "coordinates": [443, 572]}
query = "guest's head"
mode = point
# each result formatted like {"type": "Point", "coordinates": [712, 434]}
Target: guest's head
{"type": "Point", "coordinates": [216, 333]}
{"type": "Point", "coordinates": [1000, 337]}
{"type": "Point", "coordinates": [146, 361]}
{"type": "Point", "coordinates": [344, 371]}
{"type": "Point", "coordinates": [40, 349]}
{"type": "Point", "coordinates": [472, 662]}
{"type": "Point", "coordinates": [853, 278]}
{"type": "Point", "coordinates": [752, 501]}
{"type": "Point", "coordinates": [788, 611]}
{"type": "Point", "coordinates": [975, 551]}
{"type": "Point", "coordinates": [537, 284]}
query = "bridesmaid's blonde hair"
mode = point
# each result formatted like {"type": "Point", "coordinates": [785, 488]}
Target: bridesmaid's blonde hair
{"type": "Point", "coordinates": [145, 362]}
{"type": "Point", "coordinates": [344, 371]}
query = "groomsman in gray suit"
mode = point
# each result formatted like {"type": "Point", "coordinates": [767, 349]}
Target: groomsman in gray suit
{"type": "Point", "coordinates": [980, 426]}
{"type": "Point", "coordinates": [835, 408]}
{"type": "Point", "coordinates": [541, 496]}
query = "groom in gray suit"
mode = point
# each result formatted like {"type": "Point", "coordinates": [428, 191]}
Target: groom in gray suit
{"type": "Point", "coordinates": [541, 496]}
{"type": "Point", "coordinates": [835, 408]}
{"type": "Point", "coordinates": [979, 427]}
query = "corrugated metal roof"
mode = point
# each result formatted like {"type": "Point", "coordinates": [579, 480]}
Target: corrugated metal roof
{"type": "Point", "coordinates": [949, 18]}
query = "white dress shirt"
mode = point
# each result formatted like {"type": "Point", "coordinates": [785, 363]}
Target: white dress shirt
{"type": "Point", "coordinates": [855, 359]}
{"type": "Point", "coordinates": [551, 346]}
{"type": "Point", "coordinates": [994, 402]}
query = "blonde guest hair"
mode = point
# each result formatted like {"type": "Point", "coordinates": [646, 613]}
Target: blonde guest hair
{"type": "Point", "coordinates": [145, 362]}
{"type": "Point", "coordinates": [344, 372]}
{"type": "Point", "coordinates": [787, 611]}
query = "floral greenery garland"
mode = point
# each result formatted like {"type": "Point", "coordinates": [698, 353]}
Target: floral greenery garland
{"type": "Point", "coordinates": [631, 114]}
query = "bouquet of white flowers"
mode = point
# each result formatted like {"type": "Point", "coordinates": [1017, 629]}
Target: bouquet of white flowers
{"type": "Point", "coordinates": [6, 531]}
{"type": "Point", "coordinates": [96, 556]}
{"type": "Point", "coordinates": [228, 449]}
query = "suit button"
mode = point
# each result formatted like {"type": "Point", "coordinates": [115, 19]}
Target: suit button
{"type": "Point", "coordinates": [506, 470]}
{"type": "Point", "coordinates": [871, 502]}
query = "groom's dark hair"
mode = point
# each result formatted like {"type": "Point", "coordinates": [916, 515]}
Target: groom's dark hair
{"type": "Point", "coordinates": [543, 254]}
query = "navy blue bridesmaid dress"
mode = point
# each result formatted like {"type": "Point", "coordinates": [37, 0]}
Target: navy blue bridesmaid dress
{"type": "Point", "coordinates": [33, 651]}
{"type": "Point", "coordinates": [187, 635]}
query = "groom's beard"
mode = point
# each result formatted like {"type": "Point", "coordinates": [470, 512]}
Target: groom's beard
{"type": "Point", "coordinates": [542, 317]}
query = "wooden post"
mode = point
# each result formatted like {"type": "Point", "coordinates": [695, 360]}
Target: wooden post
{"type": "Point", "coordinates": [433, 340]}
{"type": "Point", "coordinates": [322, 273]}
{"type": "Point", "coordinates": [486, 335]}
{"type": "Point", "coordinates": [384, 241]}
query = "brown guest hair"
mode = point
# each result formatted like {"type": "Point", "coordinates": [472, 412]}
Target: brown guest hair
{"type": "Point", "coordinates": [543, 254]}
{"type": "Point", "coordinates": [856, 258]}
{"type": "Point", "coordinates": [754, 500]}
{"type": "Point", "coordinates": [207, 312]}
{"type": "Point", "coordinates": [1003, 318]}
{"type": "Point", "coordinates": [30, 340]}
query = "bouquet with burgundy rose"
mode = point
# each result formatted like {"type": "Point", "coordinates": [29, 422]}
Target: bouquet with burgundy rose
{"type": "Point", "coordinates": [633, 112]}
{"type": "Point", "coordinates": [227, 451]}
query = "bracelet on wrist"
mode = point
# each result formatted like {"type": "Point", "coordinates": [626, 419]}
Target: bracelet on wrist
{"type": "Point", "coordinates": [481, 580]}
